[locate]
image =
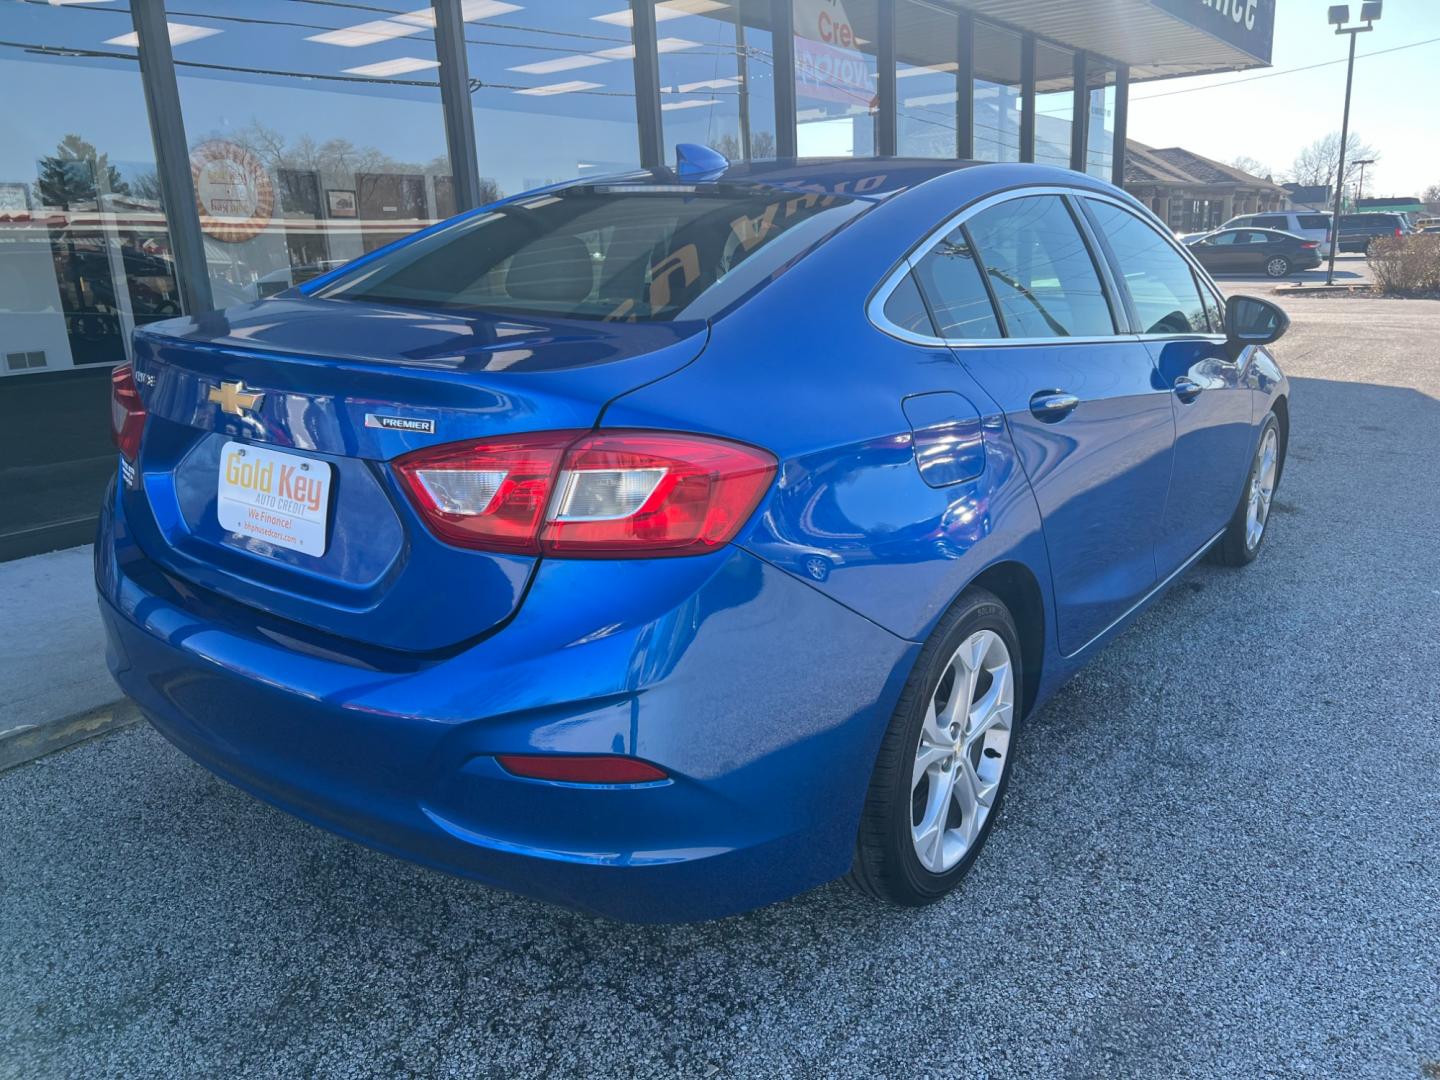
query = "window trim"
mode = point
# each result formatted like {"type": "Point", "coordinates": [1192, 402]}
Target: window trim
{"type": "Point", "coordinates": [1105, 268]}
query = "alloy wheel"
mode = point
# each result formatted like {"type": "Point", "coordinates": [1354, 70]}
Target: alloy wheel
{"type": "Point", "coordinates": [1277, 267]}
{"type": "Point", "coordinates": [961, 755]}
{"type": "Point", "coordinates": [1262, 488]}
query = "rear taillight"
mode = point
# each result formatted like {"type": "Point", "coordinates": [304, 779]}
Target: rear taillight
{"type": "Point", "coordinates": [588, 494]}
{"type": "Point", "coordinates": [1398, 233]}
{"type": "Point", "coordinates": [1310, 244]}
{"type": "Point", "coordinates": [127, 412]}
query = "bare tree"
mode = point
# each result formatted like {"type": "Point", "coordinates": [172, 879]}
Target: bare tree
{"type": "Point", "coordinates": [1431, 198]}
{"type": "Point", "coordinates": [1247, 164]}
{"type": "Point", "coordinates": [1315, 165]}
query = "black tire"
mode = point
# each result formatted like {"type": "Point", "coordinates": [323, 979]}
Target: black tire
{"type": "Point", "coordinates": [1234, 547]}
{"type": "Point", "coordinates": [886, 866]}
{"type": "Point", "coordinates": [1277, 267]}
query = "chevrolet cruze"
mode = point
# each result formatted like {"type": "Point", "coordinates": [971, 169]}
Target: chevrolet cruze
{"type": "Point", "coordinates": [668, 544]}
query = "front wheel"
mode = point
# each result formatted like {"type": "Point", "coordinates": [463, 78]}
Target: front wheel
{"type": "Point", "coordinates": [1243, 536]}
{"type": "Point", "coordinates": [1278, 266]}
{"type": "Point", "coordinates": [945, 760]}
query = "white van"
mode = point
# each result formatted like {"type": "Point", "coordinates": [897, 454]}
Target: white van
{"type": "Point", "coordinates": [1311, 224]}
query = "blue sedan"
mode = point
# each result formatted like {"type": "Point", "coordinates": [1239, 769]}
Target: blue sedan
{"type": "Point", "coordinates": [668, 544]}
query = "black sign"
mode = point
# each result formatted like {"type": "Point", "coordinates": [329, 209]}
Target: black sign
{"type": "Point", "coordinates": [1249, 25]}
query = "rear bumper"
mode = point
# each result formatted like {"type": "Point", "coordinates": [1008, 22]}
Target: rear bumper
{"type": "Point", "coordinates": [763, 699]}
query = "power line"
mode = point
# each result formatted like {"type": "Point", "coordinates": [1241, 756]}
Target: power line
{"type": "Point", "coordinates": [1287, 71]}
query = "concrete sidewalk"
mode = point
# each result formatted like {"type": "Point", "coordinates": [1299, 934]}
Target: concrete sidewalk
{"type": "Point", "coordinates": [54, 687]}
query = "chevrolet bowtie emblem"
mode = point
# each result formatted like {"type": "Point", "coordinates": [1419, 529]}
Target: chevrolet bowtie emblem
{"type": "Point", "coordinates": [233, 398]}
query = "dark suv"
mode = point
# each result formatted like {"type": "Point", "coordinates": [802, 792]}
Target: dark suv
{"type": "Point", "coordinates": [1357, 231]}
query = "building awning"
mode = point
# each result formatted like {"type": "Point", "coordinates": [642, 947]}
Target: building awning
{"type": "Point", "coordinates": [1158, 39]}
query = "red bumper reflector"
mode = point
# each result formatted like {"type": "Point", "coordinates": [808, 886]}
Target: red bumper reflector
{"type": "Point", "coordinates": [582, 768]}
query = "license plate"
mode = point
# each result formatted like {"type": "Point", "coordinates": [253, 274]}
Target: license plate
{"type": "Point", "coordinates": [282, 499]}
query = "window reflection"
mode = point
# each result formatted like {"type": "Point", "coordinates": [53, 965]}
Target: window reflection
{"type": "Point", "coordinates": [835, 77]}
{"type": "Point", "coordinates": [1054, 103]}
{"type": "Point", "coordinates": [721, 93]}
{"type": "Point", "coordinates": [1100, 127]}
{"type": "Point", "coordinates": [927, 49]}
{"type": "Point", "coordinates": [552, 89]}
{"type": "Point", "coordinates": [84, 258]}
{"type": "Point", "coordinates": [996, 119]}
{"type": "Point", "coordinates": [315, 134]}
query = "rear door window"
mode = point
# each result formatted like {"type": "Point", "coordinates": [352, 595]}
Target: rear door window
{"type": "Point", "coordinates": [1270, 221]}
{"type": "Point", "coordinates": [1158, 278]}
{"type": "Point", "coordinates": [949, 275]}
{"type": "Point", "coordinates": [1040, 269]}
{"type": "Point", "coordinates": [631, 252]}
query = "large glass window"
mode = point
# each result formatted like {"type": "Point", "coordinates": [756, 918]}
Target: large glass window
{"type": "Point", "coordinates": [84, 258]}
{"type": "Point", "coordinates": [315, 133]}
{"type": "Point", "coordinates": [1100, 124]}
{"type": "Point", "coordinates": [1160, 282]}
{"type": "Point", "coordinates": [553, 88]}
{"type": "Point", "coordinates": [949, 274]}
{"type": "Point", "coordinates": [996, 120]}
{"type": "Point", "coordinates": [927, 49]}
{"type": "Point", "coordinates": [1040, 269]}
{"type": "Point", "coordinates": [1054, 103]}
{"type": "Point", "coordinates": [720, 93]}
{"type": "Point", "coordinates": [836, 77]}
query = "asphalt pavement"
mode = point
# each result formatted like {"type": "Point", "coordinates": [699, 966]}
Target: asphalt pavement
{"type": "Point", "coordinates": [1220, 857]}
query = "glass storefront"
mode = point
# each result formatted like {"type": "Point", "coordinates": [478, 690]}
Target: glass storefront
{"type": "Point", "coordinates": [996, 112]}
{"type": "Point", "coordinates": [927, 74]}
{"type": "Point", "coordinates": [717, 78]}
{"type": "Point", "coordinates": [1054, 103]}
{"type": "Point", "coordinates": [552, 92]}
{"type": "Point", "coordinates": [314, 131]}
{"type": "Point", "coordinates": [836, 77]}
{"type": "Point", "coordinates": [84, 258]}
{"type": "Point", "coordinates": [331, 147]}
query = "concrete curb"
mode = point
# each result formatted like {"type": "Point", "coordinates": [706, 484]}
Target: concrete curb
{"type": "Point", "coordinates": [30, 741]}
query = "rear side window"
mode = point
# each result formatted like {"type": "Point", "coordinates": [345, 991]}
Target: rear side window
{"type": "Point", "coordinates": [1314, 221]}
{"type": "Point", "coordinates": [906, 309]}
{"type": "Point", "coordinates": [1159, 280]}
{"type": "Point", "coordinates": [949, 274]}
{"type": "Point", "coordinates": [606, 251]}
{"type": "Point", "coordinates": [1270, 221]}
{"type": "Point", "coordinates": [1040, 269]}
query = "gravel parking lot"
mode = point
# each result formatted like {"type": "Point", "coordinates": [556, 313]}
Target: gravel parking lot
{"type": "Point", "coordinates": [1220, 857]}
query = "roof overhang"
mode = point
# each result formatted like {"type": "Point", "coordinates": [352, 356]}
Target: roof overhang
{"type": "Point", "coordinates": [1157, 39]}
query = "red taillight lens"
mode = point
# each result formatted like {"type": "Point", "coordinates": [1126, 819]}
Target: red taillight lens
{"type": "Point", "coordinates": [490, 495]}
{"type": "Point", "coordinates": [589, 494]}
{"type": "Point", "coordinates": [127, 412]}
{"type": "Point", "coordinates": [582, 768]}
{"type": "Point", "coordinates": [1310, 244]}
{"type": "Point", "coordinates": [1398, 232]}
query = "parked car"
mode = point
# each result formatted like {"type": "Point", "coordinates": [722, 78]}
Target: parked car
{"type": "Point", "coordinates": [1254, 251]}
{"type": "Point", "coordinates": [1307, 224]}
{"type": "Point", "coordinates": [1359, 231]}
{"type": "Point", "coordinates": [668, 544]}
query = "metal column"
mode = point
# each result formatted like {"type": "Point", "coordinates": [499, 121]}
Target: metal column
{"type": "Point", "coordinates": [1122, 121]}
{"type": "Point", "coordinates": [647, 84]}
{"type": "Point", "coordinates": [172, 157]}
{"type": "Point", "coordinates": [455, 102]}
{"type": "Point", "coordinates": [965, 87]}
{"type": "Point", "coordinates": [1080, 111]}
{"type": "Point", "coordinates": [1027, 97]}
{"type": "Point", "coordinates": [782, 37]}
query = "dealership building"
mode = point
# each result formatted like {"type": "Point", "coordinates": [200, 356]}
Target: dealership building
{"type": "Point", "coordinates": [160, 157]}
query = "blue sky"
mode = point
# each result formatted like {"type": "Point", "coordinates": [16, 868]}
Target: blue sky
{"type": "Point", "coordinates": [1395, 107]}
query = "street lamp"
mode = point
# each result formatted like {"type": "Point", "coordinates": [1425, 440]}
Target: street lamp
{"type": "Point", "coordinates": [1339, 16]}
{"type": "Point", "coordinates": [1360, 187]}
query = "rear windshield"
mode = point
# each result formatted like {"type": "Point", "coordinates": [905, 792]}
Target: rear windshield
{"type": "Point", "coordinates": [627, 252]}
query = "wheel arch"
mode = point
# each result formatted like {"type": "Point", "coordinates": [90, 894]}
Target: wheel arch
{"type": "Point", "coordinates": [1019, 590]}
{"type": "Point", "coordinates": [1281, 408]}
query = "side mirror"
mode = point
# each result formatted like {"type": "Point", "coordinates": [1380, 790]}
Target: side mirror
{"type": "Point", "coordinates": [1252, 321]}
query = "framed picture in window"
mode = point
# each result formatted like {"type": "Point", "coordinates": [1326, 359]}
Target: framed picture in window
{"type": "Point", "coordinates": [341, 202]}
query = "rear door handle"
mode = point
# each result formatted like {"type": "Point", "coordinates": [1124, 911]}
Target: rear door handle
{"type": "Point", "coordinates": [1052, 405]}
{"type": "Point", "coordinates": [1187, 389]}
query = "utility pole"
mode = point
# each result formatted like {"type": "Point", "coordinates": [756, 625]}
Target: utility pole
{"type": "Point", "coordinates": [1360, 187]}
{"type": "Point", "coordinates": [1338, 16]}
